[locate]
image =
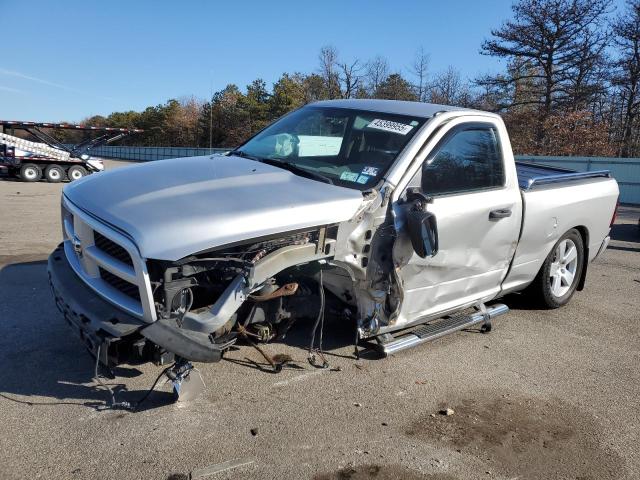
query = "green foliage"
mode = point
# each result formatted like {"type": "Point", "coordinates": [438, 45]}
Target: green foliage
{"type": "Point", "coordinates": [568, 86]}
{"type": "Point", "coordinates": [394, 87]}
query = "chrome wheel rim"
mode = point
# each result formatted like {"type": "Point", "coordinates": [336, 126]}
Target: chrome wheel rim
{"type": "Point", "coordinates": [54, 174]}
{"type": "Point", "coordinates": [30, 173]}
{"type": "Point", "coordinates": [563, 268]}
{"type": "Point", "coordinates": [76, 174]}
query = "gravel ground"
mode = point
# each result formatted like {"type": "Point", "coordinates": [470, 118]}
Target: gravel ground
{"type": "Point", "coordinates": [548, 394]}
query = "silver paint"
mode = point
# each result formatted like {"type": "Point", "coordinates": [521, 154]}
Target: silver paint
{"type": "Point", "coordinates": [174, 208]}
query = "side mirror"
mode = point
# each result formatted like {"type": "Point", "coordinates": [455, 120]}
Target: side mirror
{"type": "Point", "coordinates": [423, 231]}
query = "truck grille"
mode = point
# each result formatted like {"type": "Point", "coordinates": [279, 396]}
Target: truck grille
{"type": "Point", "coordinates": [119, 284]}
{"type": "Point", "coordinates": [111, 248]}
{"type": "Point", "coordinates": [108, 262]}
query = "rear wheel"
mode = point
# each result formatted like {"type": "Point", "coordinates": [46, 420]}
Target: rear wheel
{"type": "Point", "coordinates": [54, 173]}
{"type": "Point", "coordinates": [558, 278]}
{"type": "Point", "coordinates": [76, 172]}
{"type": "Point", "coordinates": [30, 172]}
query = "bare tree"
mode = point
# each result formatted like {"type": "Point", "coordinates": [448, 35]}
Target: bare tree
{"type": "Point", "coordinates": [350, 78]}
{"type": "Point", "coordinates": [626, 76]}
{"type": "Point", "coordinates": [377, 71]}
{"type": "Point", "coordinates": [329, 70]}
{"type": "Point", "coordinates": [554, 45]}
{"type": "Point", "coordinates": [448, 88]}
{"type": "Point", "coordinates": [420, 68]}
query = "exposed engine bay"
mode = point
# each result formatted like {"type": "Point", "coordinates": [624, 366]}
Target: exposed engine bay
{"type": "Point", "coordinates": [255, 291]}
{"type": "Point", "coordinates": [264, 308]}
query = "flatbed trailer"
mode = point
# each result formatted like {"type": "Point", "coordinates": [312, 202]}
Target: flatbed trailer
{"type": "Point", "coordinates": [48, 157]}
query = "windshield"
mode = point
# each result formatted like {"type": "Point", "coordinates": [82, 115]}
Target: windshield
{"type": "Point", "coordinates": [351, 148]}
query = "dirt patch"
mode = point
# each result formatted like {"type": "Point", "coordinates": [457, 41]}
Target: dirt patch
{"type": "Point", "coordinates": [530, 438]}
{"type": "Point", "coordinates": [380, 472]}
{"type": "Point", "coordinates": [178, 476]}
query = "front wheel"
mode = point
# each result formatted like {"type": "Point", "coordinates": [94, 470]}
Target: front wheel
{"type": "Point", "coordinates": [558, 278]}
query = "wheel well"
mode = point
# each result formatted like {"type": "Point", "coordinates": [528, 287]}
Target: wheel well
{"type": "Point", "coordinates": [584, 233]}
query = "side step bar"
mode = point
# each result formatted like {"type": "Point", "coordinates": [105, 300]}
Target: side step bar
{"type": "Point", "coordinates": [431, 331]}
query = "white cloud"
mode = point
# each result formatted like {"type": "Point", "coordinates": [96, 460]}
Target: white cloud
{"type": "Point", "coordinates": [13, 73]}
{"type": "Point", "coordinates": [9, 89]}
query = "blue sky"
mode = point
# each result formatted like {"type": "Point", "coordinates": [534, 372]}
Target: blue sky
{"type": "Point", "coordinates": [66, 60]}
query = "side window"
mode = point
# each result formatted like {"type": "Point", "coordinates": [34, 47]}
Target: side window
{"type": "Point", "coordinates": [468, 160]}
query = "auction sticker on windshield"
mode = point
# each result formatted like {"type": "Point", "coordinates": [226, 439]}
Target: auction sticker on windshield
{"type": "Point", "coordinates": [373, 171]}
{"type": "Point", "coordinates": [389, 126]}
{"type": "Point", "coordinates": [349, 176]}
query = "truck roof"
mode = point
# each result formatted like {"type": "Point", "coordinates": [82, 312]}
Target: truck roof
{"type": "Point", "coordinates": [398, 107]}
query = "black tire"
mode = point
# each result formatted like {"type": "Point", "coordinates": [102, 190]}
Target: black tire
{"type": "Point", "coordinates": [76, 172]}
{"type": "Point", "coordinates": [54, 173]}
{"type": "Point", "coordinates": [30, 172]}
{"type": "Point", "coordinates": [549, 290]}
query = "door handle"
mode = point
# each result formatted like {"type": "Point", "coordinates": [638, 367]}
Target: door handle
{"type": "Point", "coordinates": [500, 213]}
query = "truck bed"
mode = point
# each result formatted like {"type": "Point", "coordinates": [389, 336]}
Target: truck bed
{"type": "Point", "coordinates": [573, 201]}
{"type": "Point", "coordinates": [532, 175]}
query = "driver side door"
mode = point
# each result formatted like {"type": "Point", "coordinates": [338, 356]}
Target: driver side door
{"type": "Point", "coordinates": [477, 205]}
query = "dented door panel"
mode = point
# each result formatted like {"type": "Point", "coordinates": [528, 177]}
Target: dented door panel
{"type": "Point", "coordinates": [473, 258]}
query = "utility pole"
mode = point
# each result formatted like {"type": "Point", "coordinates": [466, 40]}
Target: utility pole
{"type": "Point", "coordinates": [210, 111]}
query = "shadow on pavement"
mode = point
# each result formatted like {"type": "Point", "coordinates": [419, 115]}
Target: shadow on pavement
{"type": "Point", "coordinates": [625, 232]}
{"type": "Point", "coordinates": [43, 362]}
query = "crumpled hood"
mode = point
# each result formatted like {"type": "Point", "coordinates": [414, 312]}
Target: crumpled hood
{"type": "Point", "coordinates": [174, 208]}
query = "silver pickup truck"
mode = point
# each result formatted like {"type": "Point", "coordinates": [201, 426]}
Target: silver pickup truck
{"type": "Point", "coordinates": [407, 219]}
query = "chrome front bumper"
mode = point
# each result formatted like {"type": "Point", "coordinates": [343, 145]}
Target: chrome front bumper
{"type": "Point", "coordinates": [117, 335]}
{"type": "Point", "coordinates": [96, 321]}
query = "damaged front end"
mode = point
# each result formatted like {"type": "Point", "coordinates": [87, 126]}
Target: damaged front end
{"type": "Point", "coordinates": [256, 289]}
{"type": "Point", "coordinates": [195, 308]}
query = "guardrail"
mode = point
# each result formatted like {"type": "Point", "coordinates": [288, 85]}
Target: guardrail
{"type": "Point", "coordinates": [625, 170]}
{"type": "Point", "coordinates": [146, 154]}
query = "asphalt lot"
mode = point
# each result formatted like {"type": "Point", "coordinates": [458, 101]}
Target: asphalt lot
{"type": "Point", "coordinates": [547, 394]}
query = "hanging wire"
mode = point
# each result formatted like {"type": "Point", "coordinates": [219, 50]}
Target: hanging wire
{"type": "Point", "coordinates": [319, 322]}
{"type": "Point", "coordinates": [113, 405]}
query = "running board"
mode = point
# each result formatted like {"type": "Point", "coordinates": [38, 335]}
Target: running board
{"type": "Point", "coordinates": [431, 331]}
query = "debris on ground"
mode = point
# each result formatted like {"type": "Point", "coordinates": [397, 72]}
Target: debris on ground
{"type": "Point", "coordinates": [356, 404]}
{"type": "Point", "coordinates": [254, 431]}
{"type": "Point", "coordinates": [447, 412]}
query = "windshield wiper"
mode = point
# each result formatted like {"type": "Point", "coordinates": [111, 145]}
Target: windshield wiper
{"type": "Point", "coordinates": [293, 168]}
{"type": "Point", "coordinates": [242, 154]}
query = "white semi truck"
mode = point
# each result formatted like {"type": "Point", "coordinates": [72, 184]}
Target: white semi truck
{"type": "Point", "coordinates": [47, 157]}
